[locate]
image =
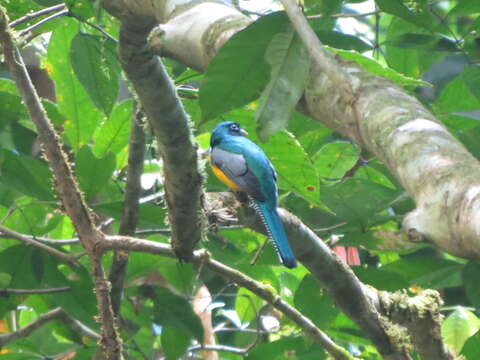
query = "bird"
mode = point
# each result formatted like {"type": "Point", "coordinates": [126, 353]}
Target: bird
{"type": "Point", "coordinates": [243, 166]}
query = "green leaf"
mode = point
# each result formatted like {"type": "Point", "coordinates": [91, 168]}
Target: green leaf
{"type": "Point", "coordinates": [290, 64]}
{"type": "Point", "coordinates": [174, 342]}
{"type": "Point", "coordinates": [171, 310]}
{"type": "Point", "coordinates": [380, 278]}
{"type": "Point", "coordinates": [335, 159]}
{"type": "Point", "coordinates": [471, 76]}
{"type": "Point", "coordinates": [422, 41]}
{"type": "Point", "coordinates": [29, 176]}
{"type": "Point", "coordinates": [315, 303]}
{"type": "Point", "coordinates": [150, 216]}
{"type": "Point", "coordinates": [17, 261]}
{"type": "Point", "coordinates": [82, 8]}
{"type": "Point", "coordinates": [356, 200]}
{"type": "Point", "coordinates": [376, 68]}
{"type": "Point", "coordinates": [238, 72]}
{"type": "Point", "coordinates": [465, 8]}
{"type": "Point", "coordinates": [415, 14]}
{"type": "Point", "coordinates": [471, 274]}
{"type": "Point", "coordinates": [427, 271]}
{"type": "Point", "coordinates": [95, 64]}
{"type": "Point", "coordinates": [113, 134]}
{"type": "Point", "coordinates": [471, 349]}
{"type": "Point", "coordinates": [343, 41]}
{"type": "Point", "coordinates": [48, 2]}
{"type": "Point", "coordinates": [73, 101]}
{"type": "Point", "coordinates": [458, 327]}
{"type": "Point", "coordinates": [79, 302]}
{"type": "Point", "coordinates": [93, 173]}
{"type": "Point", "coordinates": [457, 96]}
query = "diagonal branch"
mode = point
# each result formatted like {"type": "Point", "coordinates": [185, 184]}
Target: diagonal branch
{"type": "Point", "coordinates": [133, 189]}
{"type": "Point", "coordinates": [117, 242]}
{"type": "Point", "coordinates": [54, 314]}
{"type": "Point", "coordinates": [66, 186]}
{"type": "Point", "coordinates": [6, 232]}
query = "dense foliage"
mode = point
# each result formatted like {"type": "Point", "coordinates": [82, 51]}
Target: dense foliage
{"type": "Point", "coordinates": [431, 48]}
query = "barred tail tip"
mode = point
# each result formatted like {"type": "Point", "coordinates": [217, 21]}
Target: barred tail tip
{"type": "Point", "coordinates": [276, 232]}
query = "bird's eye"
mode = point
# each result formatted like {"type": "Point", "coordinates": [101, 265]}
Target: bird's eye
{"type": "Point", "coordinates": [234, 127]}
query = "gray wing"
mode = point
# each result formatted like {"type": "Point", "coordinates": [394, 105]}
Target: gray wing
{"type": "Point", "coordinates": [236, 169]}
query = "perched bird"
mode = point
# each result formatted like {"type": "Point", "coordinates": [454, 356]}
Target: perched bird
{"type": "Point", "coordinates": [243, 166]}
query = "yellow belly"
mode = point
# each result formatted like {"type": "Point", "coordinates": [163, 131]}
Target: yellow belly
{"type": "Point", "coordinates": [223, 178]}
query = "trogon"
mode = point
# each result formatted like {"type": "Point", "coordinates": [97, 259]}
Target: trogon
{"type": "Point", "coordinates": [243, 166]}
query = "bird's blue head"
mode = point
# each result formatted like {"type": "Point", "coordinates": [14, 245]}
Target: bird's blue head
{"type": "Point", "coordinates": [224, 130]}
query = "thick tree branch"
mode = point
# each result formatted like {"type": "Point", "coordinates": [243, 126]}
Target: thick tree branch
{"type": "Point", "coordinates": [66, 186]}
{"type": "Point", "coordinates": [133, 190]}
{"type": "Point", "coordinates": [436, 170]}
{"type": "Point", "coordinates": [6, 232]}
{"type": "Point", "coordinates": [171, 126]}
{"type": "Point", "coordinates": [421, 316]}
{"type": "Point", "coordinates": [117, 242]}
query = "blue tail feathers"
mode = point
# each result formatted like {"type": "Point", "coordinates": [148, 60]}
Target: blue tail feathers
{"type": "Point", "coordinates": [276, 232]}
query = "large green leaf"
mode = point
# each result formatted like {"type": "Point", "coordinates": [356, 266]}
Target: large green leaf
{"type": "Point", "coordinates": [27, 175]}
{"type": "Point", "coordinates": [17, 261]}
{"type": "Point", "coordinates": [427, 271]}
{"type": "Point", "coordinates": [422, 41]}
{"type": "Point", "coordinates": [151, 216]}
{"type": "Point", "coordinates": [175, 311]}
{"type": "Point", "coordinates": [315, 303]}
{"type": "Point", "coordinates": [290, 65]}
{"type": "Point", "coordinates": [458, 327]}
{"type": "Point", "coordinates": [79, 302]}
{"type": "Point", "coordinates": [113, 134]}
{"type": "Point", "coordinates": [457, 96]}
{"type": "Point", "coordinates": [95, 64]}
{"type": "Point", "coordinates": [471, 274]}
{"type": "Point", "coordinates": [238, 72]}
{"type": "Point", "coordinates": [343, 41]}
{"type": "Point", "coordinates": [334, 159]}
{"type": "Point", "coordinates": [471, 76]}
{"type": "Point", "coordinates": [415, 14]}
{"type": "Point", "coordinates": [376, 68]}
{"type": "Point", "coordinates": [471, 349]}
{"type": "Point", "coordinates": [93, 173]}
{"type": "Point", "coordinates": [73, 101]}
{"type": "Point", "coordinates": [174, 342]}
{"type": "Point", "coordinates": [356, 200]}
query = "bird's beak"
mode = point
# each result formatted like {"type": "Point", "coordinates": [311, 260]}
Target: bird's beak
{"type": "Point", "coordinates": [243, 132]}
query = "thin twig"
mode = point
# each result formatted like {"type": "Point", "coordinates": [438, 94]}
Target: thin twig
{"type": "Point", "coordinates": [342, 15]}
{"type": "Point", "coordinates": [36, 14]}
{"type": "Point", "coordinates": [6, 232]}
{"type": "Point", "coordinates": [223, 348]}
{"type": "Point", "coordinates": [95, 26]}
{"type": "Point", "coordinates": [43, 21]}
{"type": "Point", "coordinates": [7, 291]}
